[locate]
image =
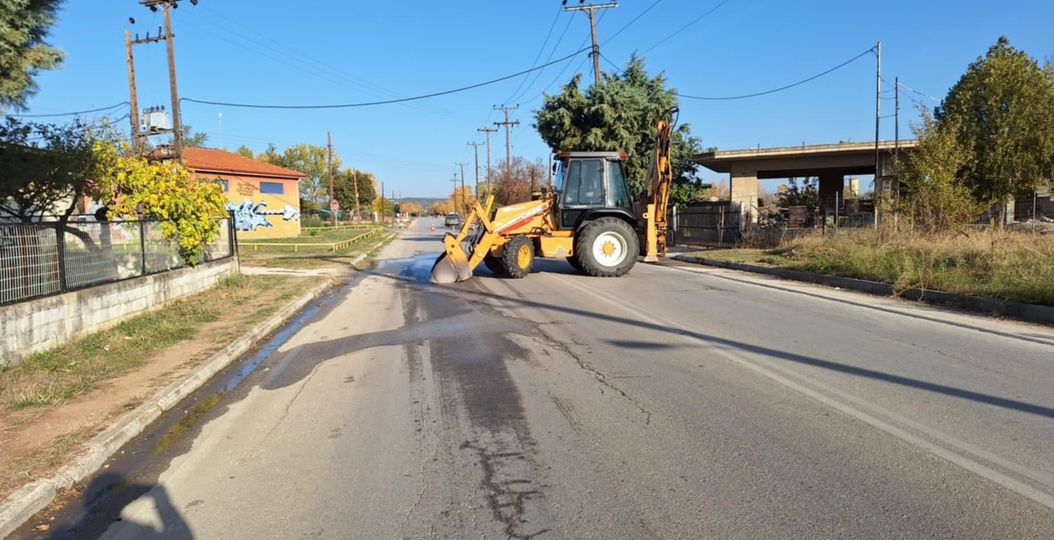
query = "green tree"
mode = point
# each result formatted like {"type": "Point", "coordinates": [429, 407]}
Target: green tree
{"type": "Point", "coordinates": [805, 194]}
{"type": "Point", "coordinates": [187, 206]}
{"type": "Point", "coordinates": [619, 115]}
{"type": "Point", "coordinates": [45, 169]}
{"type": "Point", "coordinates": [344, 188]}
{"type": "Point", "coordinates": [195, 140]}
{"type": "Point", "coordinates": [245, 151]}
{"type": "Point", "coordinates": [23, 52]}
{"type": "Point", "coordinates": [1002, 110]}
{"type": "Point", "coordinates": [309, 159]}
{"type": "Point", "coordinates": [931, 193]}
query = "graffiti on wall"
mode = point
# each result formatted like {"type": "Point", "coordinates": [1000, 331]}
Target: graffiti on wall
{"type": "Point", "coordinates": [249, 215]}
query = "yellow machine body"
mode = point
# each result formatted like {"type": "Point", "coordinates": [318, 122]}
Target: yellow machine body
{"type": "Point", "coordinates": [486, 231]}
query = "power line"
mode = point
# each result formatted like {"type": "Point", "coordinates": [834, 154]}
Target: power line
{"type": "Point", "coordinates": [685, 27]}
{"type": "Point", "coordinates": [552, 52]}
{"type": "Point", "coordinates": [785, 87]}
{"type": "Point", "coordinates": [627, 25]}
{"type": "Point", "coordinates": [388, 101]}
{"type": "Point", "coordinates": [540, 51]}
{"type": "Point", "coordinates": [74, 113]}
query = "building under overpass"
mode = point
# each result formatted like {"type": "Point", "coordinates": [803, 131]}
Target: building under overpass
{"type": "Point", "coordinates": [831, 163]}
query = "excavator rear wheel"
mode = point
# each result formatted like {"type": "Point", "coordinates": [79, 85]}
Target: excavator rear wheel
{"type": "Point", "coordinates": [606, 247]}
{"type": "Point", "coordinates": [517, 257]}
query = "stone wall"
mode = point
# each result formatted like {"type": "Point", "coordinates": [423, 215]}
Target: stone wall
{"type": "Point", "coordinates": [46, 323]}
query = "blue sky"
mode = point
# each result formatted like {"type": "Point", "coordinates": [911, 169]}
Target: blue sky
{"type": "Point", "coordinates": [317, 52]}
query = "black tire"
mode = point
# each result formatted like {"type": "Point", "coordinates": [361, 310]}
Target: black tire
{"type": "Point", "coordinates": [494, 264]}
{"type": "Point", "coordinates": [518, 257]}
{"type": "Point", "coordinates": [573, 260]}
{"type": "Point", "coordinates": [596, 236]}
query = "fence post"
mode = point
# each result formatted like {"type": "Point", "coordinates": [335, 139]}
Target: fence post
{"type": "Point", "coordinates": [836, 210]}
{"type": "Point", "coordinates": [142, 248]}
{"type": "Point", "coordinates": [60, 247]}
{"type": "Point", "coordinates": [721, 227]}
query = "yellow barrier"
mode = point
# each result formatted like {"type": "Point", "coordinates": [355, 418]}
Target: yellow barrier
{"type": "Point", "coordinates": [331, 246]}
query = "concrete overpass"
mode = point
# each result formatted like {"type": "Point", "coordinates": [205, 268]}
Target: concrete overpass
{"type": "Point", "coordinates": [829, 162]}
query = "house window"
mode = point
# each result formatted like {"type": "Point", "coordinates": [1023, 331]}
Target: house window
{"type": "Point", "coordinates": [274, 188]}
{"type": "Point", "coordinates": [223, 183]}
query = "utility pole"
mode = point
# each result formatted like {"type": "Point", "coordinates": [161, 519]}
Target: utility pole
{"type": "Point", "coordinates": [329, 177]}
{"type": "Point", "coordinates": [590, 11]}
{"type": "Point", "coordinates": [488, 131]}
{"type": "Point", "coordinates": [878, 119]}
{"type": "Point", "coordinates": [896, 118]}
{"type": "Point", "coordinates": [454, 194]}
{"type": "Point", "coordinates": [133, 98]}
{"type": "Point", "coordinates": [475, 154]}
{"type": "Point", "coordinates": [355, 182]}
{"type": "Point", "coordinates": [464, 202]}
{"type": "Point", "coordinates": [508, 147]}
{"type": "Point", "coordinates": [177, 120]}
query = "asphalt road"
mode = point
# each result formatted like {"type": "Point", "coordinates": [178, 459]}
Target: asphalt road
{"type": "Point", "coordinates": [675, 402]}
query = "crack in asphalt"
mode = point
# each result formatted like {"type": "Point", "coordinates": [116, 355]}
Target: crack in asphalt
{"type": "Point", "coordinates": [598, 375]}
{"type": "Point", "coordinates": [509, 511]}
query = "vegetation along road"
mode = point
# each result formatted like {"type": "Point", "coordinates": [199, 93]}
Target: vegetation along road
{"type": "Point", "coordinates": [676, 402]}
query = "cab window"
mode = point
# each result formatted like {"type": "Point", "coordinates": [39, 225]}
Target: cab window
{"type": "Point", "coordinates": [617, 191]}
{"type": "Point", "coordinates": [584, 182]}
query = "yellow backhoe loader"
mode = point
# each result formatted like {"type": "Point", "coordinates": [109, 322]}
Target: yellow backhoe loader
{"type": "Point", "coordinates": [588, 218]}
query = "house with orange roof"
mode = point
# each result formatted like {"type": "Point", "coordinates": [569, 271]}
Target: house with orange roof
{"type": "Point", "coordinates": [264, 198]}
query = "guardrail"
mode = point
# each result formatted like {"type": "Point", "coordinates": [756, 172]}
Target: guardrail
{"type": "Point", "coordinates": [330, 246]}
{"type": "Point", "coordinates": [338, 227]}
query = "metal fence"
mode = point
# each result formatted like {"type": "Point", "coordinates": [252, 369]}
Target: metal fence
{"type": "Point", "coordinates": [707, 224]}
{"type": "Point", "coordinates": [39, 259]}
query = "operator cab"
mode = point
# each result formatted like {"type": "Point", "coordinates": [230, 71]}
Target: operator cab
{"type": "Point", "coordinates": [590, 183]}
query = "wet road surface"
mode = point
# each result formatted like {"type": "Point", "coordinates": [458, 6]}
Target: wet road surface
{"type": "Point", "coordinates": [676, 402]}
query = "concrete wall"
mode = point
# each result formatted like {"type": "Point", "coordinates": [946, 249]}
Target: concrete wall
{"type": "Point", "coordinates": [45, 323]}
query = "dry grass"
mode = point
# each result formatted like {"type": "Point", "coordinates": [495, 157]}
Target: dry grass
{"type": "Point", "coordinates": [1002, 264]}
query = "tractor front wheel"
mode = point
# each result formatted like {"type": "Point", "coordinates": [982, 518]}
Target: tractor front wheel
{"type": "Point", "coordinates": [517, 257]}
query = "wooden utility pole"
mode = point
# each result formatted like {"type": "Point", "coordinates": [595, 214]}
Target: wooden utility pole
{"type": "Point", "coordinates": [896, 118]}
{"type": "Point", "coordinates": [329, 177]}
{"type": "Point", "coordinates": [133, 98]}
{"type": "Point", "coordinates": [590, 11]}
{"type": "Point", "coordinates": [173, 88]}
{"type": "Point", "coordinates": [508, 146]}
{"type": "Point", "coordinates": [464, 202]}
{"type": "Point", "coordinates": [355, 182]}
{"type": "Point", "coordinates": [454, 194]}
{"type": "Point", "coordinates": [475, 154]}
{"type": "Point", "coordinates": [878, 119]}
{"type": "Point", "coordinates": [177, 118]}
{"type": "Point", "coordinates": [487, 132]}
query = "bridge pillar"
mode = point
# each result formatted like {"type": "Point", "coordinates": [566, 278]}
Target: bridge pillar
{"type": "Point", "coordinates": [744, 188]}
{"type": "Point", "coordinates": [831, 182]}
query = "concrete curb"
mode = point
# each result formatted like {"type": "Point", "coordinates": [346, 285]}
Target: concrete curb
{"type": "Point", "coordinates": [24, 503]}
{"type": "Point", "coordinates": [1033, 313]}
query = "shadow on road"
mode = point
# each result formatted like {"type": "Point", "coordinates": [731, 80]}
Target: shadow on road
{"type": "Point", "coordinates": [465, 290]}
{"type": "Point", "coordinates": [104, 499]}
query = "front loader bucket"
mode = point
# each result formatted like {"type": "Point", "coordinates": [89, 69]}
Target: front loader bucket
{"type": "Point", "coordinates": [452, 265]}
